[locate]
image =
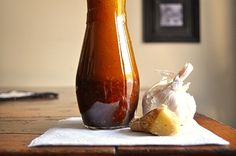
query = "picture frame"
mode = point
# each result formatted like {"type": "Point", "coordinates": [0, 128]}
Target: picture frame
{"type": "Point", "coordinates": [171, 21]}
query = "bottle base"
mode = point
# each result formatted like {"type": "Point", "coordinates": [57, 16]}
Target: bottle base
{"type": "Point", "coordinates": [105, 128]}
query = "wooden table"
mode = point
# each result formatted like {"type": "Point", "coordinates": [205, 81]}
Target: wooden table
{"type": "Point", "coordinates": [22, 121]}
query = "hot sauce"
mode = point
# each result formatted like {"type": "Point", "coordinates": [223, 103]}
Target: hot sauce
{"type": "Point", "coordinates": [107, 81]}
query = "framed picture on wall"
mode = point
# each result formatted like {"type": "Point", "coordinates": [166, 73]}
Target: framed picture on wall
{"type": "Point", "coordinates": [171, 21]}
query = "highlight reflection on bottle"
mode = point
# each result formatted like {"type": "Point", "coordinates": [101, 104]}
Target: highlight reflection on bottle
{"type": "Point", "coordinates": [107, 82]}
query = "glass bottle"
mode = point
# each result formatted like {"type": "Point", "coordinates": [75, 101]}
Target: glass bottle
{"type": "Point", "coordinates": [107, 81]}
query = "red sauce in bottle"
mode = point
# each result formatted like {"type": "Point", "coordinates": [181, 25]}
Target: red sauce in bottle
{"type": "Point", "coordinates": [107, 81]}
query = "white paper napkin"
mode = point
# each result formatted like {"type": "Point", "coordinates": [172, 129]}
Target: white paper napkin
{"type": "Point", "coordinates": [72, 132]}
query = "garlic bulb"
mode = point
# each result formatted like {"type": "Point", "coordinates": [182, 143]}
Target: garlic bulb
{"type": "Point", "coordinates": [172, 92]}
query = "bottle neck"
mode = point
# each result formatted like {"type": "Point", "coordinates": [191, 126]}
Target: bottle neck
{"type": "Point", "coordinates": [105, 9]}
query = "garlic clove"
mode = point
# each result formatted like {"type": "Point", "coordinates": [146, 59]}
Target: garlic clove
{"type": "Point", "coordinates": [173, 93]}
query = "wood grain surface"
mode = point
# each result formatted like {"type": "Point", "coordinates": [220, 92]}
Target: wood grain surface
{"type": "Point", "coordinates": [22, 121]}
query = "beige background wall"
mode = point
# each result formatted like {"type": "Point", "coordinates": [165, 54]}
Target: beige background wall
{"type": "Point", "coordinates": [40, 43]}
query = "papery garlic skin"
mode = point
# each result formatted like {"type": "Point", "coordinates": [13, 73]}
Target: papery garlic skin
{"type": "Point", "coordinates": [171, 91]}
{"type": "Point", "coordinates": [180, 102]}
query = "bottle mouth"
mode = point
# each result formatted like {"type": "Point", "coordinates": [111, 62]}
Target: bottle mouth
{"type": "Point", "coordinates": [108, 5]}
